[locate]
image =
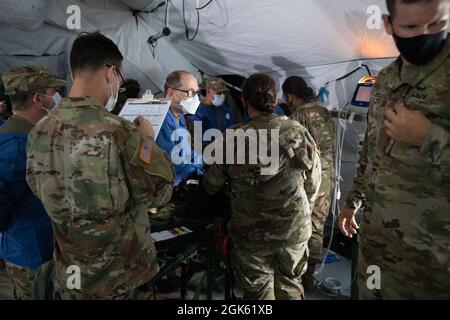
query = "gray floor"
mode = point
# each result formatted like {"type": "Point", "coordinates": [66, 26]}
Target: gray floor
{"type": "Point", "coordinates": [338, 268]}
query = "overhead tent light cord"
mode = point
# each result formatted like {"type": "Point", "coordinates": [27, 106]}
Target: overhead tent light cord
{"type": "Point", "coordinates": [186, 28]}
{"type": "Point", "coordinates": [203, 7]}
{"type": "Point", "coordinates": [166, 16]}
{"type": "Point", "coordinates": [197, 10]}
{"type": "Point", "coordinates": [330, 286]}
{"type": "Point", "coordinates": [153, 45]}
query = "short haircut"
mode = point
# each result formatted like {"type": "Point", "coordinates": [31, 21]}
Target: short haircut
{"type": "Point", "coordinates": [173, 80]}
{"type": "Point", "coordinates": [92, 51]}
{"type": "Point", "coordinates": [20, 100]}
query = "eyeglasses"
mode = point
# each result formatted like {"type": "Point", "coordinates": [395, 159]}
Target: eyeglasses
{"type": "Point", "coordinates": [122, 88]}
{"type": "Point", "coordinates": [191, 93]}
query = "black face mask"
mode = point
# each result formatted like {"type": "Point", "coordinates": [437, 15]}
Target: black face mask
{"type": "Point", "coordinates": [421, 49]}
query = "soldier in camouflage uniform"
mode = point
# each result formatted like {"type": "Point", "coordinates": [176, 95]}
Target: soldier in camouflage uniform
{"type": "Point", "coordinates": [403, 179]}
{"type": "Point", "coordinates": [96, 175]}
{"type": "Point", "coordinates": [25, 228]}
{"type": "Point", "coordinates": [270, 224]}
{"type": "Point", "coordinates": [319, 123]}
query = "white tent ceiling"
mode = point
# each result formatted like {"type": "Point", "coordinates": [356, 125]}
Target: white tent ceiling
{"type": "Point", "coordinates": [318, 39]}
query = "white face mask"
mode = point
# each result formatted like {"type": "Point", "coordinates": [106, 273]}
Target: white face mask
{"type": "Point", "coordinates": [56, 99]}
{"type": "Point", "coordinates": [190, 105]}
{"type": "Point", "coordinates": [218, 100]}
{"type": "Point", "coordinates": [112, 99]}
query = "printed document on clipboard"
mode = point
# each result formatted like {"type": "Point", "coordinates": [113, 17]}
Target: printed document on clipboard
{"type": "Point", "coordinates": [154, 111]}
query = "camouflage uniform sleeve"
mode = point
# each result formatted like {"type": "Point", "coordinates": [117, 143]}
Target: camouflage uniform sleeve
{"type": "Point", "coordinates": [356, 195]}
{"type": "Point", "coordinates": [302, 118]}
{"type": "Point", "coordinates": [436, 149]}
{"type": "Point", "coordinates": [148, 169]}
{"type": "Point", "coordinates": [214, 178]}
{"type": "Point", "coordinates": [299, 144]}
{"type": "Point", "coordinates": [314, 173]}
{"type": "Point", "coordinates": [30, 177]}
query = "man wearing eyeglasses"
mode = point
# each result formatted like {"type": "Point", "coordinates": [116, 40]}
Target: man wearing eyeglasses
{"type": "Point", "coordinates": [182, 89]}
{"type": "Point", "coordinates": [96, 175]}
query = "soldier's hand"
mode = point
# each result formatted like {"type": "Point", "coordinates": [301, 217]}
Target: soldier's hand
{"type": "Point", "coordinates": [144, 127]}
{"type": "Point", "coordinates": [347, 222]}
{"type": "Point", "coordinates": [406, 126]}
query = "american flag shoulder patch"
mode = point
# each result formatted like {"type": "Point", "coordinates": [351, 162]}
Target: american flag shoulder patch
{"type": "Point", "coordinates": [146, 150]}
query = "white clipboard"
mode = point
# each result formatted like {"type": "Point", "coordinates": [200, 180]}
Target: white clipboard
{"type": "Point", "coordinates": [154, 111]}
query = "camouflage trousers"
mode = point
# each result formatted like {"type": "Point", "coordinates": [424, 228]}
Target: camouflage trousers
{"type": "Point", "coordinates": [44, 288]}
{"type": "Point", "coordinates": [405, 271]}
{"type": "Point", "coordinates": [318, 217]}
{"type": "Point", "coordinates": [22, 280]}
{"type": "Point", "coordinates": [271, 274]}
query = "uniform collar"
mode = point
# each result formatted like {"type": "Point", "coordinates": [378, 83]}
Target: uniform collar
{"type": "Point", "coordinates": [17, 124]}
{"type": "Point", "coordinates": [309, 105]}
{"type": "Point", "coordinates": [263, 117]}
{"type": "Point", "coordinates": [413, 75]}
{"type": "Point", "coordinates": [76, 102]}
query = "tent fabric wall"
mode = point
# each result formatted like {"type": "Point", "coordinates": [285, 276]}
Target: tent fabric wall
{"type": "Point", "coordinates": [119, 24]}
{"type": "Point", "coordinates": [26, 15]}
{"type": "Point", "coordinates": [49, 46]}
{"type": "Point", "coordinates": [318, 39]}
{"type": "Point", "coordinates": [114, 20]}
{"type": "Point", "coordinates": [246, 36]}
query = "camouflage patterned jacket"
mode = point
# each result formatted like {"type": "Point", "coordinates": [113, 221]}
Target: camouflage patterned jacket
{"type": "Point", "coordinates": [319, 123]}
{"type": "Point", "coordinates": [96, 176]}
{"type": "Point", "coordinates": [396, 164]}
{"type": "Point", "coordinates": [407, 188]}
{"type": "Point", "coordinates": [271, 210]}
